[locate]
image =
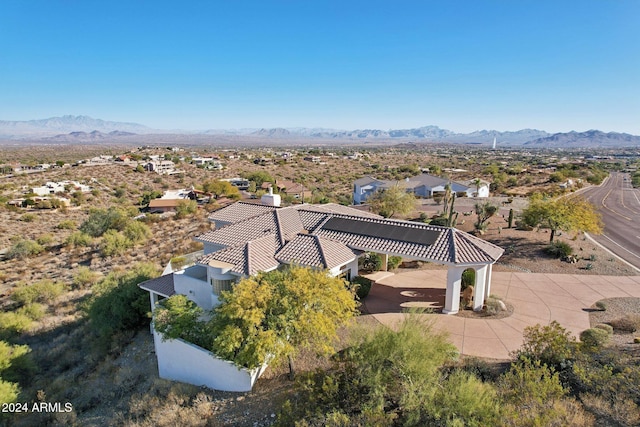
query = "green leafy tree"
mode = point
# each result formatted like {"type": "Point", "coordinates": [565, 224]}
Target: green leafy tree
{"type": "Point", "coordinates": [118, 304]}
{"type": "Point", "coordinates": [260, 177]}
{"type": "Point", "coordinates": [101, 220]}
{"type": "Point", "coordinates": [148, 196]}
{"type": "Point", "coordinates": [179, 317]}
{"type": "Point", "coordinates": [572, 213]}
{"type": "Point", "coordinates": [221, 188]}
{"type": "Point", "coordinates": [277, 314]}
{"type": "Point", "coordinates": [392, 201]}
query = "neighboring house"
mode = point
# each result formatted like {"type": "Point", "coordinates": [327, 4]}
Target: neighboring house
{"type": "Point", "coordinates": [162, 167]}
{"type": "Point", "coordinates": [423, 185]}
{"type": "Point", "coordinates": [480, 190]}
{"type": "Point", "coordinates": [60, 187]}
{"type": "Point", "coordinates": [163, 205]}
{"type": "Point", "coordinates": [293, 189]}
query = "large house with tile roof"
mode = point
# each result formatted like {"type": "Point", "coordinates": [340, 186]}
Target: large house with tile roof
{"type": "Point", "coordinates": [250, 238]}
{"type": "Point", "coordinates": [423, 185]}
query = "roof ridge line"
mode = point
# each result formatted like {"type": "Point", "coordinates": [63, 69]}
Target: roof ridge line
{"type": "Point", "coordinates": [247, 254]}
{"type": "Point", "coordinates": [452, 236]}
{"type": "Point", "coordinates": [321, 250]}
{"type": "Point", "coordinates": [279, 230]}
{"type": "Point", "coordinates": [478, 246]}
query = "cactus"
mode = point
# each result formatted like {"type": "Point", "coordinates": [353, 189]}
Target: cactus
{"type": "Point", "coordinates": [510, 218]}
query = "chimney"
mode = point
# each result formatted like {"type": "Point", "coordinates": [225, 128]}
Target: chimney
{"type": "Point", "coordinates": [270, 199]}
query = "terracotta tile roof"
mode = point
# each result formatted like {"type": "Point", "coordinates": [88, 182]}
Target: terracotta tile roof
{"type": "Point", "coordinates": [451, 246]}
{"type": "Point", "coordinates": [249, 258]}
{"type": "Point", "coordinates": [239, 211]}
{"type": "Point", "coordinates": [337, 209]}
{"type": "Point", "coordinates": [165, 203]}
{"type": "Point", "coordinates": [162, 285]}
{"type": "Point", "coordinates": [315, 251]}
{"type": "Point", "coordinates": [239, 233]}
{"type": "Point", "coordinates": [370, 232]}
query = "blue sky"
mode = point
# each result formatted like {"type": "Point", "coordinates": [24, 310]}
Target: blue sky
{"type": "Point", "coordinates": [461, 65]}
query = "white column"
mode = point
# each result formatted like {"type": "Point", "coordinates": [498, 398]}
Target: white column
{"type": "Point", "coordinates": [154, 300]}
{"type": "Point", "coordinates": [385, 260]}
{"type": "Point", "coordinates": [488, 280]}
{"type": "Point", "coordinates": [452, 298]}
{"type": "Point", "coordinates": [479, 289]}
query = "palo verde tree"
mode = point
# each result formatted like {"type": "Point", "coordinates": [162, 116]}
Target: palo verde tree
{"type": "Point", "coordinates": [276, 314]}
{"type": "Point", "coordinates": [572, 213]}
{"type": "Point", "coordinates": [394, 200]}
{"type": "Point", "coordinates": [219, 188]}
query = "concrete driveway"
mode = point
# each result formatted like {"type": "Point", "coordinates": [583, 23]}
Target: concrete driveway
{"type": "Point", "coordinates": [536, 298]}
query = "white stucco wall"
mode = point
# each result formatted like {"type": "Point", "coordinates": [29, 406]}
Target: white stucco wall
{"type": "Point", "coordinates": [188, 363]}
{"type": "Point", "coordinates": [198, 291]}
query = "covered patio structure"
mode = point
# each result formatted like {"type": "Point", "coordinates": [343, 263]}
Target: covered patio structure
{"type": "Point", "coordinates": [451, 247]}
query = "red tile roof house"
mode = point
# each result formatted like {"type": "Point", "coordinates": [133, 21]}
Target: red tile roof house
{"type": "Point", "coordinates": [250, 238]}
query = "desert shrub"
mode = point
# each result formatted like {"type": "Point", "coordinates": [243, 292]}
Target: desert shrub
{"type": "Point", "coordinates": [177, 262]}
{"type": "Point", "coordinates": [185, 208]}
{"type": "Point", "coordinates": [441, 221]}
{"type": "Point", "coordinates": [492, 305]}
{"type": "Point", "coordinates": [45, 239]}
{"type": "Point", "coordinates": [34, 311]}
{"type": "Point", "coordinates": [14, 323]}
{"type": "Point", "coordinates": [533, 395]}
{"type": "Point", "coordinates": [43, 291]}
{"type": "Point", "coordinates": [84, 276]}
{"type": "Point", "coordinates": [371, 261]}
{"type": "Point", "coordinates": [627, 324]}
{"type": "Point", "coordinates": [393, 262]}
{"type": "Point", "coordinates": [15, 362]}
{"type": "Point", "coordinates": [23, 249]}
{"type": "Point", "coordinates": [559, 249]}
{"type": "Point", "coordinates": [364, 286]}
{"type": "Point", "coordinates": [8, 392]}
{"type": "Point", "coordinates": [594, 337]}
{"type": "Point", "coordinates": [551, 345]}
{"type": "Point", "coordinates": [114, 243]}
{"type": "Point", "coordinates": [605, 327]}
{"type": "Point", "coordinates": [391, 378]}
{"type": "Point", "coordinates": [79, 239]}
{"type": "Point", "coordinates": [15, 365]}
{"type": "Point", "coordinates": [137, 232]}
{"type": "Point", "coordinates": [101, 220]}
{"type": "Point", "coordinates": [67, 224]}
{"type": "Point", "coordinates": [601, 305]}
{"type": "Point", "coordinates": [28, 217]}
{"type": "Point", "coordinates": [468, 278]}
{"type": "Point", "coordinates": [118, 304]}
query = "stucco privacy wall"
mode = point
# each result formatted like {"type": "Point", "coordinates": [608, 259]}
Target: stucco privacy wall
{"type": "Point", "coordinates": [179, 360]}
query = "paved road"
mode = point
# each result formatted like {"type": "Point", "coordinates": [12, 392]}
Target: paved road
{"type": "Point", "coordinates": [619, 204]}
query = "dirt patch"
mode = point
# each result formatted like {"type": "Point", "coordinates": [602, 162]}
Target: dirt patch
{"type": "Point", "coordinates": [615, 309]}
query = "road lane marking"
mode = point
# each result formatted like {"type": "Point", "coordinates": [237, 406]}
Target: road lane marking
{"type": "Point", "coordinates": [609, 209]}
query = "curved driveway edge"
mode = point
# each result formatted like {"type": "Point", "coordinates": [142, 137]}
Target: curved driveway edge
{"type": "Point", "coordinates": [536, 298]}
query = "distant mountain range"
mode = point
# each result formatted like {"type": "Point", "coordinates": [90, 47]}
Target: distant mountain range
{"type": "Point", "coordinates": [79, 129]}
{"type": "Point", "coordinates": [65, 124]}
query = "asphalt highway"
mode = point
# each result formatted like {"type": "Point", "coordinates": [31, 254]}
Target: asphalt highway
{"type": "Point", "coordinates": [619, 204]}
